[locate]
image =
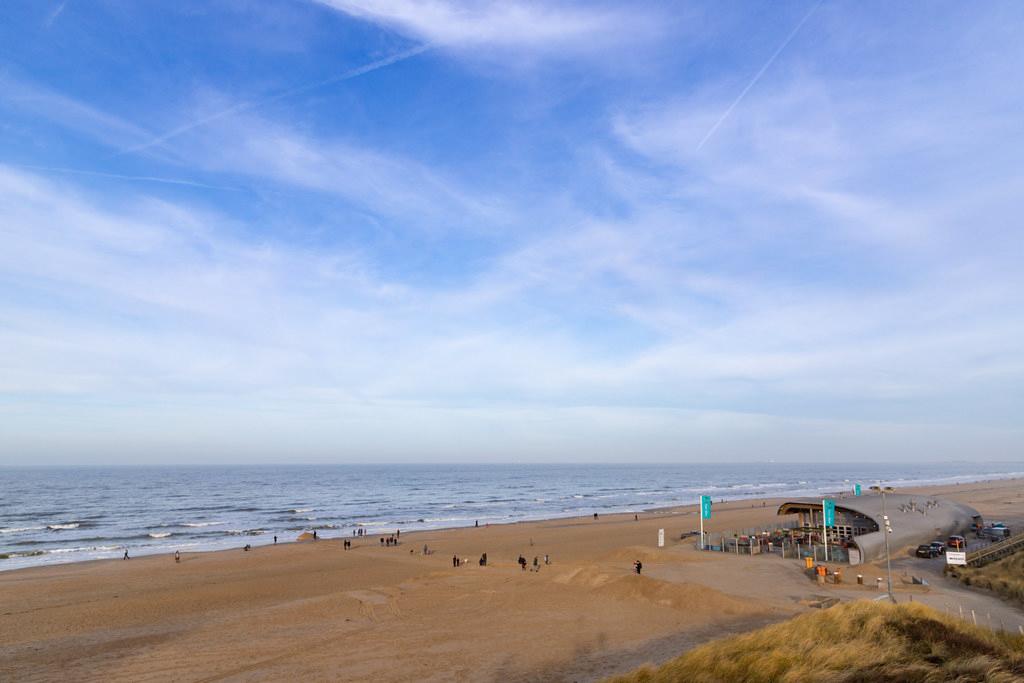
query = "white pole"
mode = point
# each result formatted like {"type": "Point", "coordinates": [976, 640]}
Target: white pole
{"type": "Point", "coordinates": [702, 522]}
{"type": "Point", "coordinates": [824, 529]}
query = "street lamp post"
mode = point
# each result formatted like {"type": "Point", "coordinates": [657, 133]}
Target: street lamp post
{"type": "Point", "coordinates": [888, 530]}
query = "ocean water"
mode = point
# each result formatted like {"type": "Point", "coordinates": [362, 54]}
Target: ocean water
{"type": "Point", "coordinates": [52, 515]}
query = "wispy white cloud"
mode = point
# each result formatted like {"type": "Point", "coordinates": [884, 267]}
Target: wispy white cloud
{"type": "Point", "coordinates": [485, 23]}
{"type": "Point", "coordinates": [70, 113]}
{"type": "Point", "coordinates": [236, 142]}
{"type": "Point", "coordinates": [147, 303]}
{"type": "Point", "coordinates": [387, 183]}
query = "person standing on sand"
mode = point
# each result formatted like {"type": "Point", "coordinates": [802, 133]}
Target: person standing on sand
{"type": "Point", "coordinates": [314, 534]}
{"type": "Point", "coordinates": [638, 565]}
{"type": "Point", "coordinates": [476, 524]}
{"type": "Point", "coordinates": [275, 540]}
{"type": "Point", "coordinates": [547, 559]}
{"type": "Point", "coordinates": [177, 556]}
{"type": "Point", "coordinates": [536, 564]}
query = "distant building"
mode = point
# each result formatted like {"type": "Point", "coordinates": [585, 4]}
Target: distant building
{"type": "Point", "coordinates": [914, 519]}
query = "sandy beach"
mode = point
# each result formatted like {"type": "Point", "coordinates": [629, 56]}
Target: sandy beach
{"type": "Point", "coordinates": [315, 611]}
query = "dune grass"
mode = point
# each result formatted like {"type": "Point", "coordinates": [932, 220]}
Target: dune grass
{"type": "Point", "coordinates": [852, 643]}
{"type": "Point", "coordinates": [1005, 577]}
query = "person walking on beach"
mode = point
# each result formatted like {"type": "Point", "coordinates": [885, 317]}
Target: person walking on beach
{"type": "Point", "coordinates": [547, 559]}
{"type": "Point", "coordinates": [536, 564]}
{"type": "Point", "coordinates": [125, 554]}
{"type": "Point", "coordinates": [522, 562]}
{"type": "Point", "coordinates": [638, 566]}
{"type": "Point", "coordinates": [177, 556]}
{"type": "Point", "coordinates": [314, 534]}
{"type": "Point", "coordinates": [455, 560]}
{"type": "Point", "coordinates": [275, 540]}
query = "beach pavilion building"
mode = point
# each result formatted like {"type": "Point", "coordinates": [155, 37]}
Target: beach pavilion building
{"type": "Point", "coordinates": [914, 519]}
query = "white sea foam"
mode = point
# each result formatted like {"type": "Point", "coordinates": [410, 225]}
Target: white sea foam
{"type": "Point", "coordinates": [57, 551]}
{"type": "Point", "coordinates": [298, 510]}
{"type": "Point", "coordinates": [159, 534]}
{"type": "Point", "coordinates": [201, 524]}
{"type": "Point", "coordinates": [58, 527]}
{"type": "Point", "coordinates": [14, 530]}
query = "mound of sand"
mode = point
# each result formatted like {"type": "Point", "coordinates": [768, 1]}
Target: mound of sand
{"type": "Point", "coordinates": [305, 536]}
{"type": "Point", "coordinates": [626, 556]}
{"type": "Point", "coordinates": [691, 597]}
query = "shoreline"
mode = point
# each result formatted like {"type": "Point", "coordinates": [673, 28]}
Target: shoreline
{"type": "Point", "coordinates": [671, 510]}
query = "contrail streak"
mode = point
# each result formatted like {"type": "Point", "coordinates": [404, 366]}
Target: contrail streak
{"type": "Point", "coordinates": [52, 17]}
{"type": "Point", "coordinates": [758, 75]}
{"type": "Point", "coordinates": [119, 176]}
{"type": "Point", "coordinates": [245, 106]}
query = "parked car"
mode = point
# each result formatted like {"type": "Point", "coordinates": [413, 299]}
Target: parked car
{"type": "Point", "coordinates": [956, 543]}
{"type": "Point", "coordinates": [996, 532]}
{"type": "Point", "coordinates": [939, 547]}
{"type": "Point", "coordinates": [925, 551]}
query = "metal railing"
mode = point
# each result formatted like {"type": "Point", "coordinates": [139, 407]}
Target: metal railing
{"type": "Point", "coordinates": [996, 551]}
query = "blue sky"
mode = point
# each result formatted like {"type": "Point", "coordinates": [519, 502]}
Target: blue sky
{"type": "Point", "coordinates": [510, 231]}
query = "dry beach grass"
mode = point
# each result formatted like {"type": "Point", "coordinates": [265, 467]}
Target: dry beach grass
{"type": "Point", "coordinates": [856, 642]}
{"type": "Point", "coordinates": [1004, 577]}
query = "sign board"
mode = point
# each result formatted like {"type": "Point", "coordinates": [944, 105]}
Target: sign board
{"type": "Point", "coordinates": [956, 557]}
{"type": "Point", "coordinates": [661, 538]}
{"type": "Point", "coordinates": [705, 507]}
{"type": "Point", "coordinates": [856, 489]}
{"type": "Point", "coordinates": [829, 507]}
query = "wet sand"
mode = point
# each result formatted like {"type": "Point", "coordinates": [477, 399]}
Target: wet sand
{"type": "Point", "coordinates": [313, 611]}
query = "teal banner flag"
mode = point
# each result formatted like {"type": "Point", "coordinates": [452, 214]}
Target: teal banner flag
{"type": "Point", "coordinates": [829, 506]}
